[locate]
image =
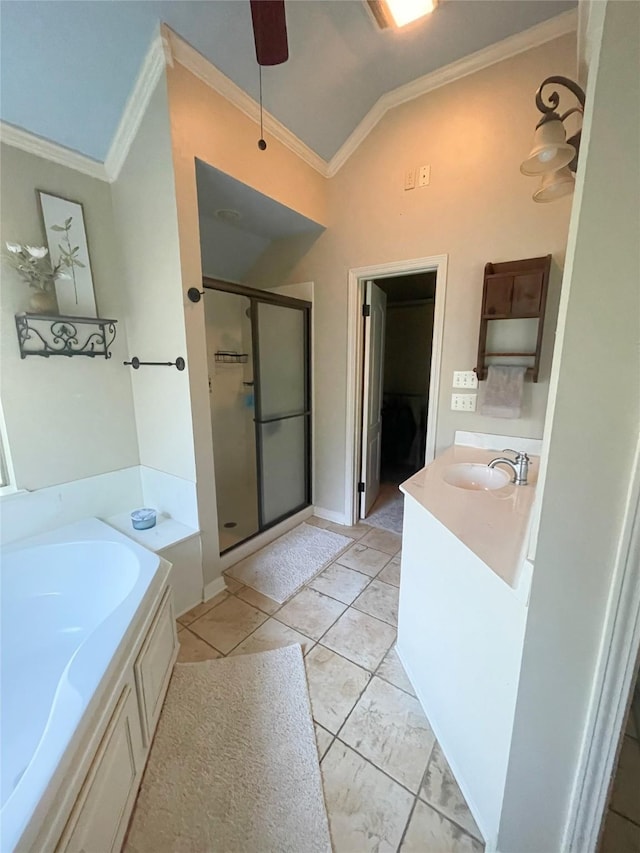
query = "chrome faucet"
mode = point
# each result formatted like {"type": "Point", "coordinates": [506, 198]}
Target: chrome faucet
{"type": "Point", "coordinates": [520, 466]}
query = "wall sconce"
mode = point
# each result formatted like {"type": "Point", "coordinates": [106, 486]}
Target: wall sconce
{"type": "Point", "coordinates": [553, 156]}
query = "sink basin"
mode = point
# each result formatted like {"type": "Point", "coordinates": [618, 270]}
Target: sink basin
{"type": "Point", "coordinates": [475, 477]}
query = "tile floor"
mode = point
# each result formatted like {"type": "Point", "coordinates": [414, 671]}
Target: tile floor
{"type": "Point", "coordinates": [621, 832]}
{"type": "Point", "coordinates": [387, 784]}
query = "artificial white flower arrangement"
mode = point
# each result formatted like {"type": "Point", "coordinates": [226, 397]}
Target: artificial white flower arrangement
{"type": "Point", "coordinates": [32, 264]}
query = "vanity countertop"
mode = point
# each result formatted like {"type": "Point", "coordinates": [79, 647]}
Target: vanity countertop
{"type": "Point", "coordinates": [493, 524]}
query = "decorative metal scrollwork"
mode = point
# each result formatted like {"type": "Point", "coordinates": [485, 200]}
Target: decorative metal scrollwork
{"type": "Point", "coordinates": [43, 335]}
{"type": "Point", "coordinates": [548, 110]}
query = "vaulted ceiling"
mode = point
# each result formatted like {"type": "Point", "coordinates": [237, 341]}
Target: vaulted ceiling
{"type": "Point", "coordinates": [68, 66]}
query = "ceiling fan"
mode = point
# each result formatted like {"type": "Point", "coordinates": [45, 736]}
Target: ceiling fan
{"type": "Point", "coordinates": [270, 37]}
{"type": "Point", "coordinates": [269, 31]}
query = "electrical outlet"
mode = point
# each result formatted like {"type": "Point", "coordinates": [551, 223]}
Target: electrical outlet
{"type": "Point", "coordinates": [464, 379]}
{"type": "Point", "coordinates": [424, 176]}
{"type": "Point", "coordinates": [409, 179]}
{"type": "Point", "coordinates": [463, 402]}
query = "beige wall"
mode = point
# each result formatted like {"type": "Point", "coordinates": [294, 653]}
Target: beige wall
{"type": "Point", "coordinates": [474, 133]}
{"type": "Point", "coordinates": [206, 126]}
{"type": "Point", "coordinates": [590, 440]}
{"type": "Point", "coordinates": [67, 418]}
{"type": "Point", "coordinates": [145, 208]}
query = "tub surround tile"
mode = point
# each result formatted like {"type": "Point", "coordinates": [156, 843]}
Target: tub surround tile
{"type": "Point", "coordinates": [380, 600]}
{"type": "Point", "coordinates": [391, 572]}
{"type": "Point", "coordinates": [272, 635]}
{"type": "Point", "coordinates": [391, 670]}
{"type": "Point", "coordinates": [310, 613]}
{"type": "Point", "coordinates": [389, 728]}
{"type": "Point", "coordinates": [228, 624]}
{"type": "Point", "coordinates": [360, 638]}
{"type": "Point", "coordinates": [429, 830]}
{"type": "Point", "coordinates": [193, 649]}
{"type": "Point", "coordinates": [257, 599]}
{"type": "Point", "coordinates": [367, 810]}
{"type": "Point", "coordinates": [382, 540]}
{"type": "Point", "coordinates": [440, 790]}
{"type": "Point", "coordinates": [340, 583]}
{"type": "Point", "coordinates": [200, 609]}
{"type": "Point", "coordinates": [625, 795]}
{"type": "Point", "coordinates": [369, 561]}
{"type": "Point", "coordinates": [324, 740]}
{"type": "Point", "coordinates": [335, 685]}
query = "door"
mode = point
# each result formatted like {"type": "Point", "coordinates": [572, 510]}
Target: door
{"type": "Point", "coordinates": [373, 379]}
{"type": "Point", "coordinates": [283, 409]}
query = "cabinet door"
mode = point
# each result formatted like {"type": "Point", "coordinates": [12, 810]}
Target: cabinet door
{"type": "Point", "coordinates": [153, 665]}
{"type": "Point", "coordinates": [497, 295]}
{"type": "Point", "coordinates": [99, 817]}
{"type": "Point", "coordinates": [527, 292]}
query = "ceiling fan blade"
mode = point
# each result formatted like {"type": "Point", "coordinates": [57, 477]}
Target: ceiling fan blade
{"type": "Point", "coordinates": [269, 31]}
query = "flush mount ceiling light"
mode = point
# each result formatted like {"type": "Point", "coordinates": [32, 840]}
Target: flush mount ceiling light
{"type": "Point", "coordinates": [553, 156]}
{"type": "Point", "coordinates": [399, 13]}
{"type": "Point", "coordinates": [227, 214]}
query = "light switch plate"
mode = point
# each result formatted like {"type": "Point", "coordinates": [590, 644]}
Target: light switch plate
{"type": "Point", "coordinates": [409, 179]}
{"type": "Point", "coordinates": [464, 379]}
{"type": "Point", "coordinates": [424, 176]}
{"type": "Point", "coordinates": [463, 402]}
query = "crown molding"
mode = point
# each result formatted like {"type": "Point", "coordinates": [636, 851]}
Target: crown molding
{"type": "Point", "coordinates": [204, 70]}
{"type": "Point", "coordinates": [535, 36]}
{"type": "Point", "coordinates": [167, 47]}
{"type": "Point", "coordinates": [32, 144]}
{"type": "Point", "coordinates": [152, 69]}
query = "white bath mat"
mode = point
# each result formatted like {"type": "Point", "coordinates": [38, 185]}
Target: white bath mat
{"type": "Point", "coordinates": [281, 568]}
{"type": "Point", "coordinates": [234, 765]}
{"type": "Point", "coordinates": [388, 510]}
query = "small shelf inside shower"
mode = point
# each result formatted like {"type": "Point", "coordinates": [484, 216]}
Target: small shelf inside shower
{"type": "Point", "coordinates": [231, 357]}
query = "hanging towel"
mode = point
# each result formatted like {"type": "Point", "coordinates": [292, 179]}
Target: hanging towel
{"type": "Point", "coordinates": [503, 394]}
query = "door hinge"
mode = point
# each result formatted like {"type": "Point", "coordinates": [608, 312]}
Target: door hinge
{"type": "Point", "coordinates": [360, 487]}
{"type": "Point", "coordinates": [366, 310]}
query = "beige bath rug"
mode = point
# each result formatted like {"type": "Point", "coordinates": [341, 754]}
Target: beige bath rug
{"type": "Point", "coordinates": [281, 568]}
{"type": "Point", "coordinates": [234, 766]}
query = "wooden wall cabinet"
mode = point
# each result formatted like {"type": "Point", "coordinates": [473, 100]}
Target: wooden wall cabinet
{"type": "Point", "coordinates": [513, 290]}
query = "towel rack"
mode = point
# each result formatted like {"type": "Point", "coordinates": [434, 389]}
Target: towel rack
{"type": "Point", "coordinates": [135, 362]}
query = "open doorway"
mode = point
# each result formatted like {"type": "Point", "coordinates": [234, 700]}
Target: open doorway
{"type": "Point", "coordinates": [396, 349]}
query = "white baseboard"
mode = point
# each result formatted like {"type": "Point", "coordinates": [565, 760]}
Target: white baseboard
{"type": "Point", "coordinates": [214, 587]}
{"type": "Point", "coordinates": [330, 515]}
{"type": "Point", "coordinates": [258, 542]}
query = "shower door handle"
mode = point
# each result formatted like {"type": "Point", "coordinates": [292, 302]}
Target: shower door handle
{"type": "Point", "coordinates": [281, 418]}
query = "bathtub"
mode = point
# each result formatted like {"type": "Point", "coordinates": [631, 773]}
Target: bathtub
{"type": "Point", "coordinates": [68, 598]}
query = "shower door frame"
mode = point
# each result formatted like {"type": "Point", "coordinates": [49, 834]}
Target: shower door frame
{"type": "Point", "coordinates": [266, 296]}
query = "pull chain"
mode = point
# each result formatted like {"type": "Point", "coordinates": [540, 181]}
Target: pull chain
{"type": "Point", "coordinates": [261, 142]}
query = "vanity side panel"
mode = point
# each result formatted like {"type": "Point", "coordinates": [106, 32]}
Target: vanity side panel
{"type": "Point", "coordinates": [460, 637]}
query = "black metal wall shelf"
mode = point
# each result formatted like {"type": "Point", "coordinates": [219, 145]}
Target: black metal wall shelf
{"type": "Point", "coordinates": [47, 334]}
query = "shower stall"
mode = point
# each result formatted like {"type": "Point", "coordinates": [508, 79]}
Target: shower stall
{"type": "Point", "coordinates": [258, 356]}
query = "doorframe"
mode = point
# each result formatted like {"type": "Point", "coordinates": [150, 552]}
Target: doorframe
{"type": "Point", "coordinates": [355, 338]}
{"type": "Point", "coordinates": [614, 679]}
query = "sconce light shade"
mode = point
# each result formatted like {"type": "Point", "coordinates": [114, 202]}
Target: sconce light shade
{"type": "Point", "coordinates": [554, 185]}
{"type": "Point", "coordinates": [550, 151]}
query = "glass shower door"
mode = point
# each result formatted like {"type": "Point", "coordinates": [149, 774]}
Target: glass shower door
{"type": "Point", "coordinates": [282, 409]}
